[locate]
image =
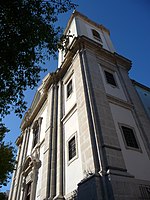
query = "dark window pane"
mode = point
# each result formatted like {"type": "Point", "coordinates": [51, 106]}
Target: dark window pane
{"type": "Point", "coordinates": [110, 78]}
{"type": "Point", "coordinates": [69, 88]}
{"type": "Point", "coordinates": [28, 191]}
{"type": "Point", "coordinates": [35, 134]}
{"type": "Point", "coordinates": [130, 137]}
{"type": "Point", "coordinates": [72, 148]}
{"type": "Point", "coordinates": [96, 35]}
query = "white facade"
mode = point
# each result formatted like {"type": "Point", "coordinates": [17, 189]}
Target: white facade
{"type": "Point", "coordinates": [86, 135]}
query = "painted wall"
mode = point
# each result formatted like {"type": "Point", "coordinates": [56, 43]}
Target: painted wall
{"type": "Point", "coordinates": [71, 100]}
{"type": "Point", "coordinates": [116, 91]}
{"type": "Point", "coordinates": [85, 28]}
{"type": "Point", "coordinates": [137, 162]}
{"type": "Point", "coordinates": [73, 168]}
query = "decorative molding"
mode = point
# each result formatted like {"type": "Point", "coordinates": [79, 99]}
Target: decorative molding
{"type": "Point", "coordinates": [118, 172]}
{"type": "Point", "coordinates": [69, 113]}
{"type": "Point", "coordinates": [111, 147]}
{"type": "Point", "coordinates": [119, 102]}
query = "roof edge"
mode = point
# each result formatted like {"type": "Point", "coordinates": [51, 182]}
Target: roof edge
{"type": "Point", "coordinates": [84, 17]}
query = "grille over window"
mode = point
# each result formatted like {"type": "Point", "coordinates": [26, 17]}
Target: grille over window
{"type": "Point", "coordinates": [72, 148]}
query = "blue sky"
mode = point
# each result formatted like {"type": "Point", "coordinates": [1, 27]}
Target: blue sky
{"type": "Point", "coordinates": [129, 25]}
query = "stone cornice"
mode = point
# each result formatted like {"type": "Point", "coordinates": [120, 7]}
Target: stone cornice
{"type": "Point", "coordinates": [135, 83]}
{"type": "Point", "coordinates": [111, 57]}
{"type": "Point", "coordinates": [31, 113]}
{"type": "Point", "coordinates": [119, 102]}
{"type": "Point", "coordinates": [28, 120]}
{"type": "Point", "coordinates": [88, 44]}
{"type": "Point", "coordinates": [19, 140]}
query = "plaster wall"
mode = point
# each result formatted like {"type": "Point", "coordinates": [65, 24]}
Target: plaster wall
{"type": "Point", "coordinates": [116, 91]}
{"type": "Point", "coordinates": [72, 31]}
{"type": "Point", "coordinates": [70, 101]}
{"type": "Point", "coordinates": [73, 168]}
{"type": "Point", "coordinates": [137, 162]}
{"type": "Point", "coordinates": [85, 28]}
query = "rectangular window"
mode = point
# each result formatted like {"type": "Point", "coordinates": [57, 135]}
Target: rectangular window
{"type": "Point", "coordinates": [72, 148]}
{"type": "Point", "coordinates": [129, 137]}
{"type": "Point", "coordinates": [110, 78]}
{"type": "Point", "coordinates": [35, 135]}
{"type": "Point", "coordinates": [69, 88]}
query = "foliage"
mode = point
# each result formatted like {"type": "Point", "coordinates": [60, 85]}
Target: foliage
{"type": "Point", "coordinates": [28, 36]}
{"type": "Point", "coordinates": [3, 196]}
{"type": "Point", "coordinates": [27, 27]}
{"type": "Point", "coordinates": [7, 158]}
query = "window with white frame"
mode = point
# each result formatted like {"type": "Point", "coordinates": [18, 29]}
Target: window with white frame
{"type": "Point", "coordinates": [69, 88]}
{"type": "Point", "coordinates": [72, 152]}
{"type": "Point", "coordinates": [110, 78]}
{"type": "Point", "coordinates": [129, 137]}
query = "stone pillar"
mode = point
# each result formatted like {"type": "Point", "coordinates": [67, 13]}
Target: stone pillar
{"type": "Point", "coordinates": [54, 147]}
{"type": "Point", "coordinates": [45, 190]}
{"type": "Point", "coordinates": [26, 144]}
{"type": "Point", "coordinates": [19, 168]}
{"type": "Point", "coordinates": [35, 170]}
{"type": "Point", "coordinates": [14, 175]}
{"type": "Point", "coordinates": [59, 177]}
{"type": "Point", "coordinates": [23, 159]}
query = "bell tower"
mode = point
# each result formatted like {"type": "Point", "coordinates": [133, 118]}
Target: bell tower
{"type": "Point", "coordinates": [79, 25]}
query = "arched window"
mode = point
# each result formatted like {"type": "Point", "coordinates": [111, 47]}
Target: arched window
{"type": "Point", "coordinates": [96, 35]}
{"type": "Point", "coordinates": [30, 169]}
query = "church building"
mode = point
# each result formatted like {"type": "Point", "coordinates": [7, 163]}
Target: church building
{"type": "Point", "coordinates": [86, 135]}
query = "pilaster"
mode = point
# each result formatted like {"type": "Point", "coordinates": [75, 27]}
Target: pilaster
{"type": "Point", "coordinates": [17, 188]}
{"type": "Point", "coordinates": [53, 147]}
{"type": "Point", "coordinates": [59, 177]}
{"type": "Point", "coordinates": [47, 146]}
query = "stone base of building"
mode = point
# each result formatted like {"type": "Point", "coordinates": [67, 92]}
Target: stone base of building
{"type": "Point", "coordinates": [118, 187]}
{"type": "Point", "coordinates": [130, 188]}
